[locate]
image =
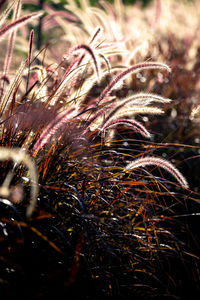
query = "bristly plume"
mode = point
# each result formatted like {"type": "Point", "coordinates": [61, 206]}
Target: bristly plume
{"type": "Point", "coordinates": [146, 98]}
{"type": "Point", "coordinates": [96, 34]}
{"type": "Point", "coordinates": [133, 124]}
{"type": "Point", "coordinates": [137, 109]}
{"type": "Point", "coordinates": [42, 79]}
{"type": "Point", "coordinates": [14, 83]}
{"type": "Point", "coordinates": [106, 61]}
{"type": "Point", "coordinates": [140, 100]}
{"type": "Point", "coordinates": [71, 71]}
{"type": "Point", "coordinates": [159, 162]}
{"type": "Point", "coordinates": [5, 14]}
{"type": "Point", "coordinates": [30, 50]}
{"type": "Point", "coordinates": [31, 39]}
{"type": "Point", "coordinates": [16, 24]}
{"type": "Point", "coordinates": [66, 14]}
{"type": "Point", "coordinates": [11, 41]}
{"type": "Point", "coordinates": [158, 13]}
{"type": "Point", "coordinates": [53, 128]}
{"type": "Point", "coordinates": [91, 53]}
{"type": "Point", "coordinates": [134, 69]}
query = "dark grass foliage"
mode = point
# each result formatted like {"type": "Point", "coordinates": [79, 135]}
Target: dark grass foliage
{"type": "Point", "coordinates": [99, 193]}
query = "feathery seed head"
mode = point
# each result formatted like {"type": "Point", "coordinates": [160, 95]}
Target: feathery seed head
{"type": "Point", "coordinates": [148, 161]}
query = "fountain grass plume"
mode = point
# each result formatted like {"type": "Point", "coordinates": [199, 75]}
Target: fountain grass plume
{"type": "Point", "coordinates": [52, 129]}
{"type": "Point", "coordinates": [97, 34]}
{"type": "Point", "coordinates": [137, 101]}
{"type": "Point", "coordinates": [133, 124]}
{"type": "Point", "coordinates": [6, 13]}
{"type": "Point", "coordinates": [159, 162]}
{"type": "Point", "coordinates": [16, 24]}
{"type": "Point", "coordinates": [92, 53]}
{"type": "Point", "coordinates": [90, 190]}
{"type": "Point", "coordinates": [30, 51]}
{"type": "Point", "coordinates": [11, 41]}
{"type": "Point", "coordinates": [130, 111]}
{"type": "Point", "coordinates": [132, 70]}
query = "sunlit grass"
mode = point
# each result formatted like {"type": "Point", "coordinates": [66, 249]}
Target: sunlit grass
{"type": "Point", "coordinates": [97, 210]}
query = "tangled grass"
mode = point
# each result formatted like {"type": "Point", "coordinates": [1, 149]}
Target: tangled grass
{"type": "Point", "coordinates": [105, 215]}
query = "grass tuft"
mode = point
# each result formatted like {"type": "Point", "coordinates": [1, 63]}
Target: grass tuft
{"type": "Point", "coordinates": [92, 141]}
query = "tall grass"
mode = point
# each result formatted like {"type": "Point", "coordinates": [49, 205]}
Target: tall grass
{"type": "Point", "coordinates": [96, 211]}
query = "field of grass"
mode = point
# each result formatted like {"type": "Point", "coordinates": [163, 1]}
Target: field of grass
{"type": "Point", "coordinates": [99, 150]}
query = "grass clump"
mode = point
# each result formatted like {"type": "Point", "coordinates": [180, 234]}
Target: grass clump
{"type": "Point", "coordinates": [104, 218]}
